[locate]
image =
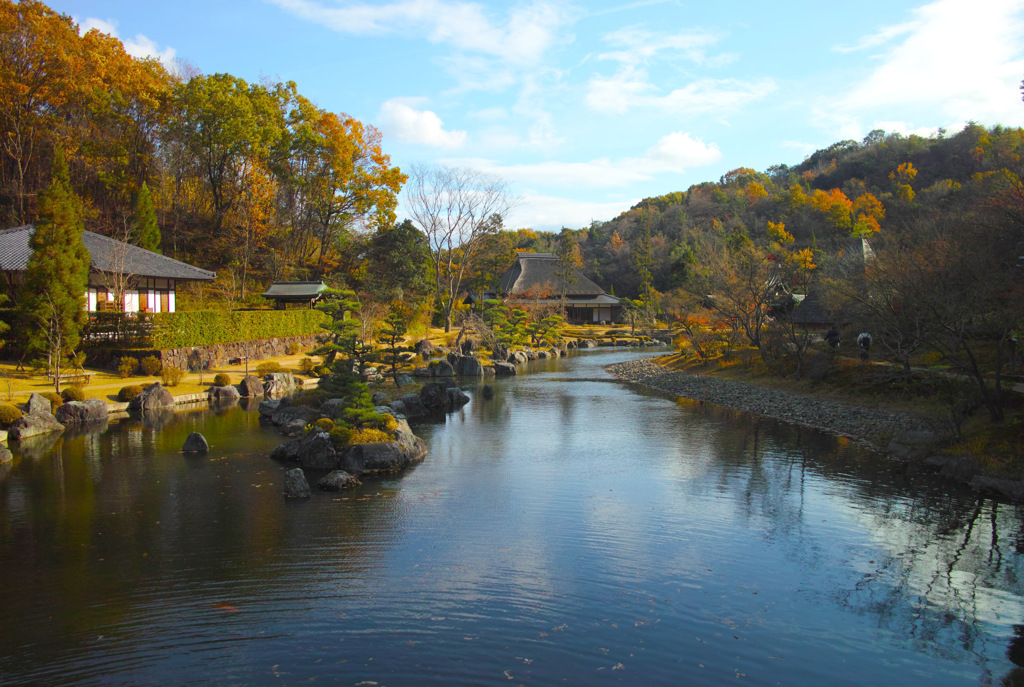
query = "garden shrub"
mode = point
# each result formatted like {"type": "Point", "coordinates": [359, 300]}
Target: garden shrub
{"type": "Point", "coordinates": [221, 379]}
{"type": "Point", "coordinates": [127, 366]}
{"type": "Point", "coordinates": [368, 435]}
{"type": "Point", "coordinates": [129, 392]}
{"type": "Point", "coordinates": [186, 328]}
{"type": "Point", "coordinates": [322, 370]}
{"type": "Point", "coordinates": [267, 367]}
{"type": "Point", "coordinates": [151, 365]}
{"type": "Point", "coordinates": [8, 414]}
{"type": "Point", "coordinates": [340, 437]}
{"type": "Point", "coordinates": [72, 393]}
{"type": "Point", "coordinates": [294, 348]}
{"type": "Point", "coordinates": [324, 425]}
{"type": "Point", "coordinates": [171, 375]}
{"type": "Point", "coordinates": [54, 398]}
{"type": "Point", "coordinates": [306, 366]}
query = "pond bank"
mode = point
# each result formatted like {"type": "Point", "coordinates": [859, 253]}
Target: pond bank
{"type": "Point", "coordinates": [874, 427]}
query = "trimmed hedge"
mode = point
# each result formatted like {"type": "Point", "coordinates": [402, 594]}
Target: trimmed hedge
{"type": "Point", "coordinates": [209, 327]}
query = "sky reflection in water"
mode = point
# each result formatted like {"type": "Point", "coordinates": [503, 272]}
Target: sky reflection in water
{"type": "Point", "coordinates": [570, 529]}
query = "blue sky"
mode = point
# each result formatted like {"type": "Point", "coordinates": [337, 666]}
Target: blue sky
{"type": "Point", "coordinates": [588, 107]}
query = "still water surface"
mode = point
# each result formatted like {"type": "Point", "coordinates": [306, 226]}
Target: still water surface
{"type": "Point", "coordinates": [572, 530]}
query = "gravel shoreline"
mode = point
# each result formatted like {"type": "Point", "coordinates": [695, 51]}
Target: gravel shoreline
{"type": "Point", "coordinates": [872, 426]}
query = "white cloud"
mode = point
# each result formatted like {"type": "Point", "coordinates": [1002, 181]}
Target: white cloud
{"type": "Point", "coordinates": [673, 153]}
{"type": "Point", "coordinates": [522, 37]}
{"type": "Point", "coordinates": [959, 60]}
{"type": "Point", "coordinates": [399, 119]}
{"type": "Point", "coordinates": [140, 46]}
{"type": "Point", "coordinates": [905, 129]}
{"type": "Point", "coordinates": [550, 213]}
{"type": "Point", "coordinates": [677, 151]}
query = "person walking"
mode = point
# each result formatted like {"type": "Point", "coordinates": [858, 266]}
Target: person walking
{"type": "Point", "coordinates": [864, 344]}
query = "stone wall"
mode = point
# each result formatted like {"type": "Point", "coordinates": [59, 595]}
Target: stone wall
{"type": "Point", "coordinates": [194, 358]}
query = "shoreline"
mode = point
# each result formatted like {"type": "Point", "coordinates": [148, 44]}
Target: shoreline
{"type": "Point", "coordinates": [873, 427]}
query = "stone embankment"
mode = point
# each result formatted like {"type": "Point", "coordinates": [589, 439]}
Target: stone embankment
{"type": "Point", "coordinates": [873, 426]}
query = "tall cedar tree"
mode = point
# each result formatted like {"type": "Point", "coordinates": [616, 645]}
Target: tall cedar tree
{"type": "Point", "coordinates": [147, 231]}
{"type": "Point", "coordinates": [57, 274]}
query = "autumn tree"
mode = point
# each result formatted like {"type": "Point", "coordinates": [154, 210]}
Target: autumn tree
{"type": "Point", "coordinates": [455, 208]}
{"type": "Point", "coordinates": [53, 300]}
{"type": "Point", "coordinates": [339, 176]}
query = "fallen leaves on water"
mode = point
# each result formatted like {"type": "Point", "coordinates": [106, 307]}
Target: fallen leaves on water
{"type": "Point", "coordinates": [225, 607]}
{"type": "Point", "coordinates": [508, 674]}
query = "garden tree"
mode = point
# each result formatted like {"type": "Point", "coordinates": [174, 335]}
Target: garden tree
{"type": "Point", "coordinates": [739, 285]}
{"type": "Point", "coordinates": [226, 126]}
{"type": "Point", "coordinates": [570, 259]}
{"type": "Point", "coordinates": [38, 69]}
{"type": "Point", "coordinates": [343, 327]}
{"type": "Point", "coordinates": [398, 263]}
{"type": "Point", "coordinates": [147, 232]}
{"type": "Point", "coordinates": [794, 277]}
{"type": "Point", "coordinates": [252, 216]}
{"type": "Point", "coordinates": [340, 176]}
{"type": "Point", "coordinates": [392, 334]}
{"type": "Point", "coordinates": [957, 293]}
{"type": "Point", "coordinates": [53, 297]}
{"type": "Point", "coordinates": [546, 331]}
{"type": "Point", "coordinates": [642, 261]}
{"type": "Point", "coordinates": [455, 209]}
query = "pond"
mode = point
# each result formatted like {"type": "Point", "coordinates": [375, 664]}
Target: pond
{"type": "Point", "coordinates": [572, 529]}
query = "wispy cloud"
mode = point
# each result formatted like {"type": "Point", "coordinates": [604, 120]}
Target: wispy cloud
{"type": "Point", "coordinates": [957, 60]}
{"type": "Point", "coordinates": [522, 36]}
{"type": "Point", "coordinates": [399, 119]}
{"type": "Point", "coordinates": [140, 46]}
{"type": "Point", "coordinates": [635, 45]}
{"type": "Point", "coordinates": [674, 153]}
{"type": "Point", "coordinates": [630, 89]}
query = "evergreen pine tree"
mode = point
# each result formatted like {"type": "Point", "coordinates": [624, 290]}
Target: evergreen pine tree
{"type": "Point", "coordinates": [391, 335]}
{"type": "Point", "coordinates": [57, 275]}
{"type": "Point", "coordinates": [147, 231]}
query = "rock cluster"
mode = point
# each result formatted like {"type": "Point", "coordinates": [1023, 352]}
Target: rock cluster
{"type": "Point", "coordinates": [316, 451]}
{"type": "Point", "coordinates": [38, 420]}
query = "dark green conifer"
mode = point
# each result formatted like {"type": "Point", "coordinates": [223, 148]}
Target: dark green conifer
{"type": "Point", "coordinates": [147, 231]}
{"type": "Point", "coordinates": [57, 275]}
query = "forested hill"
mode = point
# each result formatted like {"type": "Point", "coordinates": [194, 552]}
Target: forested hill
{"type": "Point", "coordinates": [888, 188]}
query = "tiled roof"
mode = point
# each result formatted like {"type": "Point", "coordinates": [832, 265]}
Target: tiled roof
{"type": "Point", "coordinates": [297, 290]}
{"type": "Point", "coordinates": [104, 254]}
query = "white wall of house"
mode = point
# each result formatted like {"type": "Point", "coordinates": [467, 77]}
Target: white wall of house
{"type": "Point", "coordinates": [146, 296]}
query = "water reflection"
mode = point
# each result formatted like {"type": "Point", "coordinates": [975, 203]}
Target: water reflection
{"type": "Point", "coordinates": [569, 529]}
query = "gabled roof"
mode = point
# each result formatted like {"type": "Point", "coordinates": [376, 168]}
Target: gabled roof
{"type": "Point", "coordinates": [295, 290]}
{"type": "Point", "coordinates": [540, 271]}
{"type": "Point", "coordinates": [104, 255]}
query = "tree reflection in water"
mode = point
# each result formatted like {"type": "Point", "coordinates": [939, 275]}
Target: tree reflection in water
{"type": "Point", "coordinates": [943, 578]}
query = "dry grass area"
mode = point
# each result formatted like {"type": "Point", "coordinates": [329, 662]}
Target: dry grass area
{"type": "Point", "coordinates": [17, 385]}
